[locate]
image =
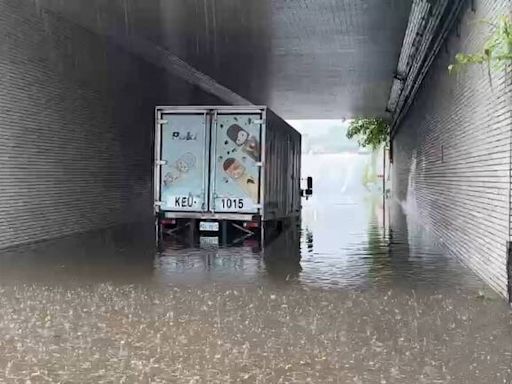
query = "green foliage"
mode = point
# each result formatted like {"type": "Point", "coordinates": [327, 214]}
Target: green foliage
{"type": "Point", "coordinates": [497, 51]}
{"type": "Point", "coordinates": [370, 133]}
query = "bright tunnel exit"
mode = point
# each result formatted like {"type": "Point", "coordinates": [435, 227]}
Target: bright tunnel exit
{"type": "Point", "coordinates": [347, 206]}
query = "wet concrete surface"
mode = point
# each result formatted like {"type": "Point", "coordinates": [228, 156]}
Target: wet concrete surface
{"type": "Point", "coordinates": [371, 299]}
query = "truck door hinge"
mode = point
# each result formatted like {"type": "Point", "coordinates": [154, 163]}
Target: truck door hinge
{"type": "Point", "coordinates": [259, 164]}
{"type": "Point", "coordinates": [158, 203]}
{"type": "Point", "coordinates": [161, 162]}
{"type": "Point", "coordinates": [260, 122]}
{"type": "Point", "coordinates": [160, 121]}
{"type": "Point", "coordinates": [258, 206]}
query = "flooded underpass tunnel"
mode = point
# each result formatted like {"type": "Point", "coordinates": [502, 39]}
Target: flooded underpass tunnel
{"type": "Point", "coordinates": [336, 300]}
{"type": "Point", "coordinates": [394, 267]}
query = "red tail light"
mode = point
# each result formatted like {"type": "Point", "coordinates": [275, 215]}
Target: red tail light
{"type": "Point", "coordinates": [252, 224]}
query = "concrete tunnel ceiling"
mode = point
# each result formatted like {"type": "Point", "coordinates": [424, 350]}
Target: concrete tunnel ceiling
{"type": "Point", "coordinates": [303, 58]}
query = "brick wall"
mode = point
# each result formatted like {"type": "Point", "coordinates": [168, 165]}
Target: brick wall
{"type": "Point", "coordinates": [76, 125]}
{"type": "Point", "coordinates": [452, 152]}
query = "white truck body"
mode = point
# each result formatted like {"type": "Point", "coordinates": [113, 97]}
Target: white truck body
{"type": "Point", "coordinates": [225, 163]}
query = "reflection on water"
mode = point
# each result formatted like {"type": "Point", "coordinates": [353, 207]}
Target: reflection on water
{"type": "Point", "coordinates": [351, 295]}
{"type": "Point", "coordinates": [326, 251]}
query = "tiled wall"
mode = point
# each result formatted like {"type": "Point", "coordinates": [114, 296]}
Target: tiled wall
{"type": "Point", "coordinates": [452, 152]}
{"type": "Point", "coordinates": [76, 127]}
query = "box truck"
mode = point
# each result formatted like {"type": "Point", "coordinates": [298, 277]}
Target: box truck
{"type": "Point", "coordinates": [223, 170]}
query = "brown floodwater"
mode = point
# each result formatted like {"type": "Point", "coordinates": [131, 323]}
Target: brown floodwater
{"type": "Point", "coordinates": [356, 294]}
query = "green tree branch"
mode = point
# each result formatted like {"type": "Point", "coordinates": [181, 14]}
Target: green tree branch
{"type": "Point", "coordinates": [496, 53]}
{"type": "Point", "coordinates": [370, 133]}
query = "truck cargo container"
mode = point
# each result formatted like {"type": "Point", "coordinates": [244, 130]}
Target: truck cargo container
{"type": "Point", "coordinates": [224, 169]}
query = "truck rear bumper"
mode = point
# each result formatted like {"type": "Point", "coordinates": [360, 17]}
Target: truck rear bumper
{"type": "Point", "coordinates": [210, 216]}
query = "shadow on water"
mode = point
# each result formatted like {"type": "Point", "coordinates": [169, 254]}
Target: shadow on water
{"type": "Point", "coordinates": [282, 256]}
{"type": "Point", "coordinates": [121, 255]}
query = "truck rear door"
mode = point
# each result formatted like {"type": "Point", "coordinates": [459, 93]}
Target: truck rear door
{"type": "Point", "coordinates": [184, 162]}
{"type": "Point", "coordinates": [236, 163]}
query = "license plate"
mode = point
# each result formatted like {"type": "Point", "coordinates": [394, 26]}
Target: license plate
{"type": "Point", "coordinates": [207, 226]}
{"type": "Point", "coordinates": [208, 241]}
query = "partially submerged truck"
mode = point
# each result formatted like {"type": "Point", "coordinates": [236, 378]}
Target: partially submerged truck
{"type": "Point", "coordinates": [225, 170]}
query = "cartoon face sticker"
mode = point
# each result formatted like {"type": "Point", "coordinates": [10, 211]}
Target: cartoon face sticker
{"type": "Point", "coordinates": [180, 168]}
{"type": "Point", "coordinates": [238, 134]}
{"type": "Point", "coordinates": [242, 137]}
{"type": "Point", "coordinates": [170, 178]}
{"type": "Point", "coordinates": [234, 168]}
{"type": "Point", "coordinates": [237, 172]}
{"type": "Point", "coordinates": [186, 162]}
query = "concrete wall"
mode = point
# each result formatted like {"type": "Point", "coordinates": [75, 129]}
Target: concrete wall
{"type": "Point", "coordinates": [452, 153]}
{"type": "Point", "coordinates": [76, 126]}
